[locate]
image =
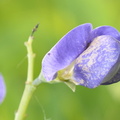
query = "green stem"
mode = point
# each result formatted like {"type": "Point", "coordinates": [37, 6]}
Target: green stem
{"type": "Point", "coordinates": [29, 87]}
{"type": "Point", "coordinates": [31, 56]}
{"type": "Point", "coordinates": [28, 92]}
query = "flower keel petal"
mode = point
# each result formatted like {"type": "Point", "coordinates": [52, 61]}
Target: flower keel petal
{"type": "Point", "coordinates": [94, 64]}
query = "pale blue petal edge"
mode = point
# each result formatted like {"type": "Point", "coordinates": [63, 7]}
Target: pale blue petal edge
{"type": "Point", "coordinates": [105, 30]}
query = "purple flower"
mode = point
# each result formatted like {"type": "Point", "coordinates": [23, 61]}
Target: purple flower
{"type": "Point", "coordinates": [85, 56]}
{"type": "Point", "coordinates": [2, 89]}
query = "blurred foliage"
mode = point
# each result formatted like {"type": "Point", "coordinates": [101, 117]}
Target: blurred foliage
{"type": "Point", "coordinates": [56, 18]}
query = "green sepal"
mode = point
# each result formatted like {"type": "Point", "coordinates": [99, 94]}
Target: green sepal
{"type": "Point", "coordinates": [40, 79]}
{"type": "Point", "coordinates": [71, 85]}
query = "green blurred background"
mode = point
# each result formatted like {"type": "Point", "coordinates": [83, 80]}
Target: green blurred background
{"type": "Point", "coordinates": [56, 18]}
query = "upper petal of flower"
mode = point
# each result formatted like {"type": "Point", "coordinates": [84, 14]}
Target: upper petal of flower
{"type": "Point", "coordinates": [2, 89]}
{"type": "Point", "coordinates": [105, 30]}
{"type": "Point", "coordinates": [97, 61]}
{"type": "Point", "coordinates": [66, 50]}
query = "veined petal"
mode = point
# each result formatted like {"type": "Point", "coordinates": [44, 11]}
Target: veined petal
{"type": "Point", "coordinates": [105, 30]}
{"type": "Point", "coordinates": [94, 64]}
{"type": "Point", "coordinates": [2, 89]}
{"type": "Point", "coordinates": [66, 50]}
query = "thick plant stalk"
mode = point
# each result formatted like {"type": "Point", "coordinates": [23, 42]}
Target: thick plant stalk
{"type": "Point", "coordinates": [29, 87]}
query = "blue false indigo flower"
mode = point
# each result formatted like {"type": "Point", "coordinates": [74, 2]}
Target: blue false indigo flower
{"type": "Point", "coordinates": [85, 56]}
{"type": "Point", "coordinates": [2, 89]}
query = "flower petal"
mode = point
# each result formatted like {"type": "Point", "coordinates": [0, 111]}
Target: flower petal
{"type": "Point", "coordinates": [115, 77]}
{"type": "Point", "coordinates": [66, 50]}
{"type": "Point", "coordinates": [105, 30]}
{"type": "Point", "coordinates": [94, 64]}
{"type": "Point", "coordinates": [2, 89]}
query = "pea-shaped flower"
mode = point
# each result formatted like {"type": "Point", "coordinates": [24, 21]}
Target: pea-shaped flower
{"type": "Point", "coordinates": [2, 89]}
{"type": "Point", "coordinates": [85, 56]}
